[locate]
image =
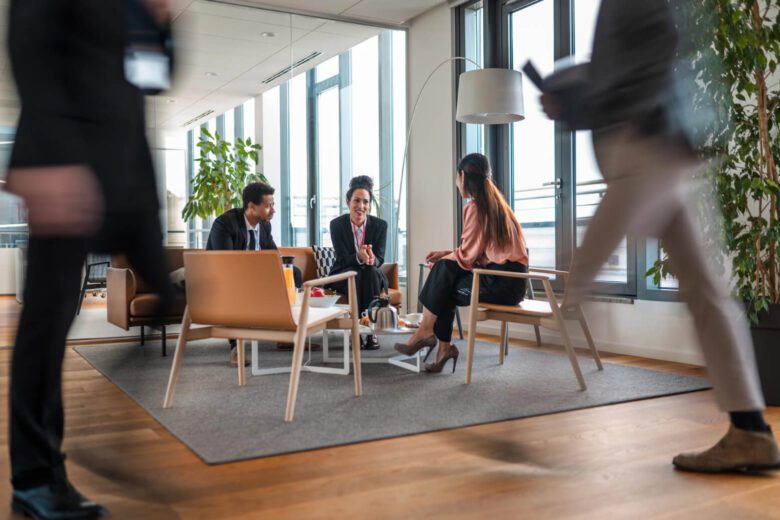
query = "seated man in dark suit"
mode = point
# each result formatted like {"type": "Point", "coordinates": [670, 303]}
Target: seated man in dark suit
{"type": "Point", "coordinates": [247, 228]}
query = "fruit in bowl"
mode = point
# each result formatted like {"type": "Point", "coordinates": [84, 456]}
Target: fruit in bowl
{"type": "Point", "coordinates": [321, 298]}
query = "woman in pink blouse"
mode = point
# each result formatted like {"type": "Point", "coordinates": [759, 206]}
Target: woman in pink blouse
{"type": "Point", "coordinates": [491, 239]}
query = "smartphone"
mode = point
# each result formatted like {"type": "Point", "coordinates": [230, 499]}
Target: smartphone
{"type": "Point", "coordinates": [533, 74]}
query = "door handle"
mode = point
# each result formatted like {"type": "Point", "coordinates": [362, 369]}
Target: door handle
{"type": "Point", "coordinates": [557, 184]}
{"type": "Point", "coordinates": [312, 201]}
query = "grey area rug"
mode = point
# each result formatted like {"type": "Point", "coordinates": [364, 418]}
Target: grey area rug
{"type": "Point", "coordinates": [222, 422]}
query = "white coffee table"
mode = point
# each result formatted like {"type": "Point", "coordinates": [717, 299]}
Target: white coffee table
{"type": "Point", "coordinates": [412, 363]}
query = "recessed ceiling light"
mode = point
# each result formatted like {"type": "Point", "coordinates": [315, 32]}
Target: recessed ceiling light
{"type": "Point", "coordinates": [211, 74]}
{"type": "Point", "coordinates": [267, 34]}
{"type": "Point", "coordinates": [171, 100]}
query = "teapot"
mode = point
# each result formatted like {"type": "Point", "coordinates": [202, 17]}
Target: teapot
{"type": "Point", "coordinates": [382, 315]}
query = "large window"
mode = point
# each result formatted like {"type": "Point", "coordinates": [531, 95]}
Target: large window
{"type": "Point", "coordinates": [323, 125]}
{"type": "Point", "coordinates": [535, 195]}
{"type": "Point", "coordinates": [345, 117]}
{"type": "Point", "coordinates": [549, 174]}
{"type": "Point", "coordinates": [472, 48]}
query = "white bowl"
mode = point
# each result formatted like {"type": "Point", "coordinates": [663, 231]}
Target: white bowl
{"type": "Point", "coordinates": [323, 301]}
{"type": "Point", "coordinates": [414, 318]}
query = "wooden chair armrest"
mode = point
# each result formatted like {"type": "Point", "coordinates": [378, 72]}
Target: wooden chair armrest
{"type": "Point", "coordinates": [542, 277]}
{"type": "Point", "coordinates": [330, 279]}
{"type": "Point", "coordinates": [548, 271]}
{"type": "Point", "coordinates": [510, 274]}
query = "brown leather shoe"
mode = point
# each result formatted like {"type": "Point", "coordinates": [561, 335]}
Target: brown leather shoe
{"type": "Point", "coordinates": [738, 451]}
{"type": "Point", "coordinates": [234, 358]}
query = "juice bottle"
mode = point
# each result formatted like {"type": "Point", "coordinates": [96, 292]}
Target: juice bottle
{"type": "Point", "coordinates": [289, 281]}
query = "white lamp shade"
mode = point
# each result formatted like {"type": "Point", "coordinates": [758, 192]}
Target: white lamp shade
{"type": "Point", "coordinates": [490, 96]}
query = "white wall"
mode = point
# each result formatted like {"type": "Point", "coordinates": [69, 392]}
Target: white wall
{"type": "Point", "coordinates": [658, 330]}
{"type": "Point", "coordinates": [270, 166]}
{"type": "Point", "coordinates": [8, 270]}
{"type": "Point", "coordinates": [431, 178]}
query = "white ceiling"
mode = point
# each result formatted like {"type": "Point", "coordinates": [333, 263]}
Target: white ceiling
{"type": "Point", "coordinates": [215, 37]}
{"type": "Point", "coordinates": [389, 12]}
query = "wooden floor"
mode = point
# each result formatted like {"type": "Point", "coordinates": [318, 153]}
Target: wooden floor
{"type": "Point", "coordinates": [607, 462]}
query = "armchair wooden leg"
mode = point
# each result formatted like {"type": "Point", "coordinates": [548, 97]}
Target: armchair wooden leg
{"type": "Point", "coordinates": [506, 341]}
{"type": "Point", "coordinates": [502, 343]}
{"type": "Point", "coordinates": [295, 373]}
{"type": "Point", "coordinates": [241, 360]}
{"type": "Point", "coordinates": [584, 324]}
{"type": "Point", "coordinates": [356, 361]}
{"type": "Point", "coordinates": [460, 325]}
{"type": "Point", "coordinates": [178, 357]}
{"type": "Point", "coordinates": [297, 359]}
{"type": "Point", "coordinates": [143, 338]}
{"type": "Point", "coordinates": [538, 336]}
{"type": "Point", "coordinates": [575, 365]}
{"type": "Point", "coordinates": [473, 310]}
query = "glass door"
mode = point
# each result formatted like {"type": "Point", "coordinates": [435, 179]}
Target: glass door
{"type": "Point", "coordinates": [536, 190]}
{"type": "Point", "coordinates": [328, 163]}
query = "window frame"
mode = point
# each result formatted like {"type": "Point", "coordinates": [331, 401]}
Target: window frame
{"type": "Point", "coordinates": [497, 51]}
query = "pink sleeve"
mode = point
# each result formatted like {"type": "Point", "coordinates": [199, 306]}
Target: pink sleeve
{"type": "Point", "coordinates": [472, 246]}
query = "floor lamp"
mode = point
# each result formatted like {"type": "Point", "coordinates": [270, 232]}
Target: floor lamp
{"type": "Point", "coordinates": [485, 96]}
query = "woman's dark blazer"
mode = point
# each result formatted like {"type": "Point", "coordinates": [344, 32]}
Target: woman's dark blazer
{"type": "Point", "coordinates": [344, 242]}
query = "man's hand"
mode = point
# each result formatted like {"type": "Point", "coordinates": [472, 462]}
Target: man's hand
{"type": "Point", "coordinates": [60, 200]}
{"type": "Point", "coordinates": [371, 257]}
{"type": "Point", "coordinates": [551, 106]}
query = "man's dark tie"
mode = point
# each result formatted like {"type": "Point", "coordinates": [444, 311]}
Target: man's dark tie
{"type": "Point", "coordinates": [252, 243]}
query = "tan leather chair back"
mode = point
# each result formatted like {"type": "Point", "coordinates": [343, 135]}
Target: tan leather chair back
{"type": "Point", "coordinates": [391, 271]}
{"type": "Point", "coordinates": [304, 260]}
{"type": "Point", "coordinates": [238, 289]}
{"type": "Point", "coordinates": [174, 256]}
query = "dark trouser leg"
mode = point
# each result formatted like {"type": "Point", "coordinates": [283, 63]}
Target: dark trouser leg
{"type": "Point", "coordinates": [369, 283]}
{"type": "Point", "coordinates": [297, 277]}
{"type": "Point", "coordinates": [145, 252]}
{"type": "Point", "coordinates": [447, 286]}
{"type": "Point", "coordinates": [36, 414]}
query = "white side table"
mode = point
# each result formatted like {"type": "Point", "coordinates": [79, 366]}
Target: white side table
{"type": "Point", "coordinates": [412, 363]}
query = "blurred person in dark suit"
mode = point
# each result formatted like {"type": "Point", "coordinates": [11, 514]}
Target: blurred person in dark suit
{"type": "Point", "coordinates": [644, 136]}
{"type": "Point", "coordinates": [82, 166]}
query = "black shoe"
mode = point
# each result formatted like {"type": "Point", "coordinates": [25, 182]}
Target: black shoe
{"type": "Point", "coordinates": [371, 343]}
{"type": "Point", "coordinates": [50, 503]}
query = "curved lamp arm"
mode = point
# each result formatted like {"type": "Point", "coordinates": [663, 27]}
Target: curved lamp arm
{"type": "Point", "coordinates": [406, 148]}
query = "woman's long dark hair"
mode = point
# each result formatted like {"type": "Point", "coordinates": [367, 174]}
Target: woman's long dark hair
{"type": "Point", "coordinates": [496, 218]}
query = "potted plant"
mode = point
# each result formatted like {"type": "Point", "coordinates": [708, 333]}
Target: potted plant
{"type": "Point", "coordinates": [738, 62]}
{"type": "Point", "coordinates": [224, 169]}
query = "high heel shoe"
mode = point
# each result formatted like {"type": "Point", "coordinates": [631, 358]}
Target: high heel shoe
{"type": "Point", "coordinates": [438, 366]}
{"type": "Point", "coordinates": [411, 350]}
{"type": "Point", "coordinates": [427, 354]}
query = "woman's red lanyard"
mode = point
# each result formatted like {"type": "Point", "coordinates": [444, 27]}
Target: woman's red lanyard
{"type": "Point", "coordinates": [358, 245]}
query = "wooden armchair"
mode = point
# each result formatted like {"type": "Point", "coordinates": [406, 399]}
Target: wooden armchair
{"type": "Point", "coordinates": [242, 295]}
{"type": "Point", "coordinates": [547, 314]}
